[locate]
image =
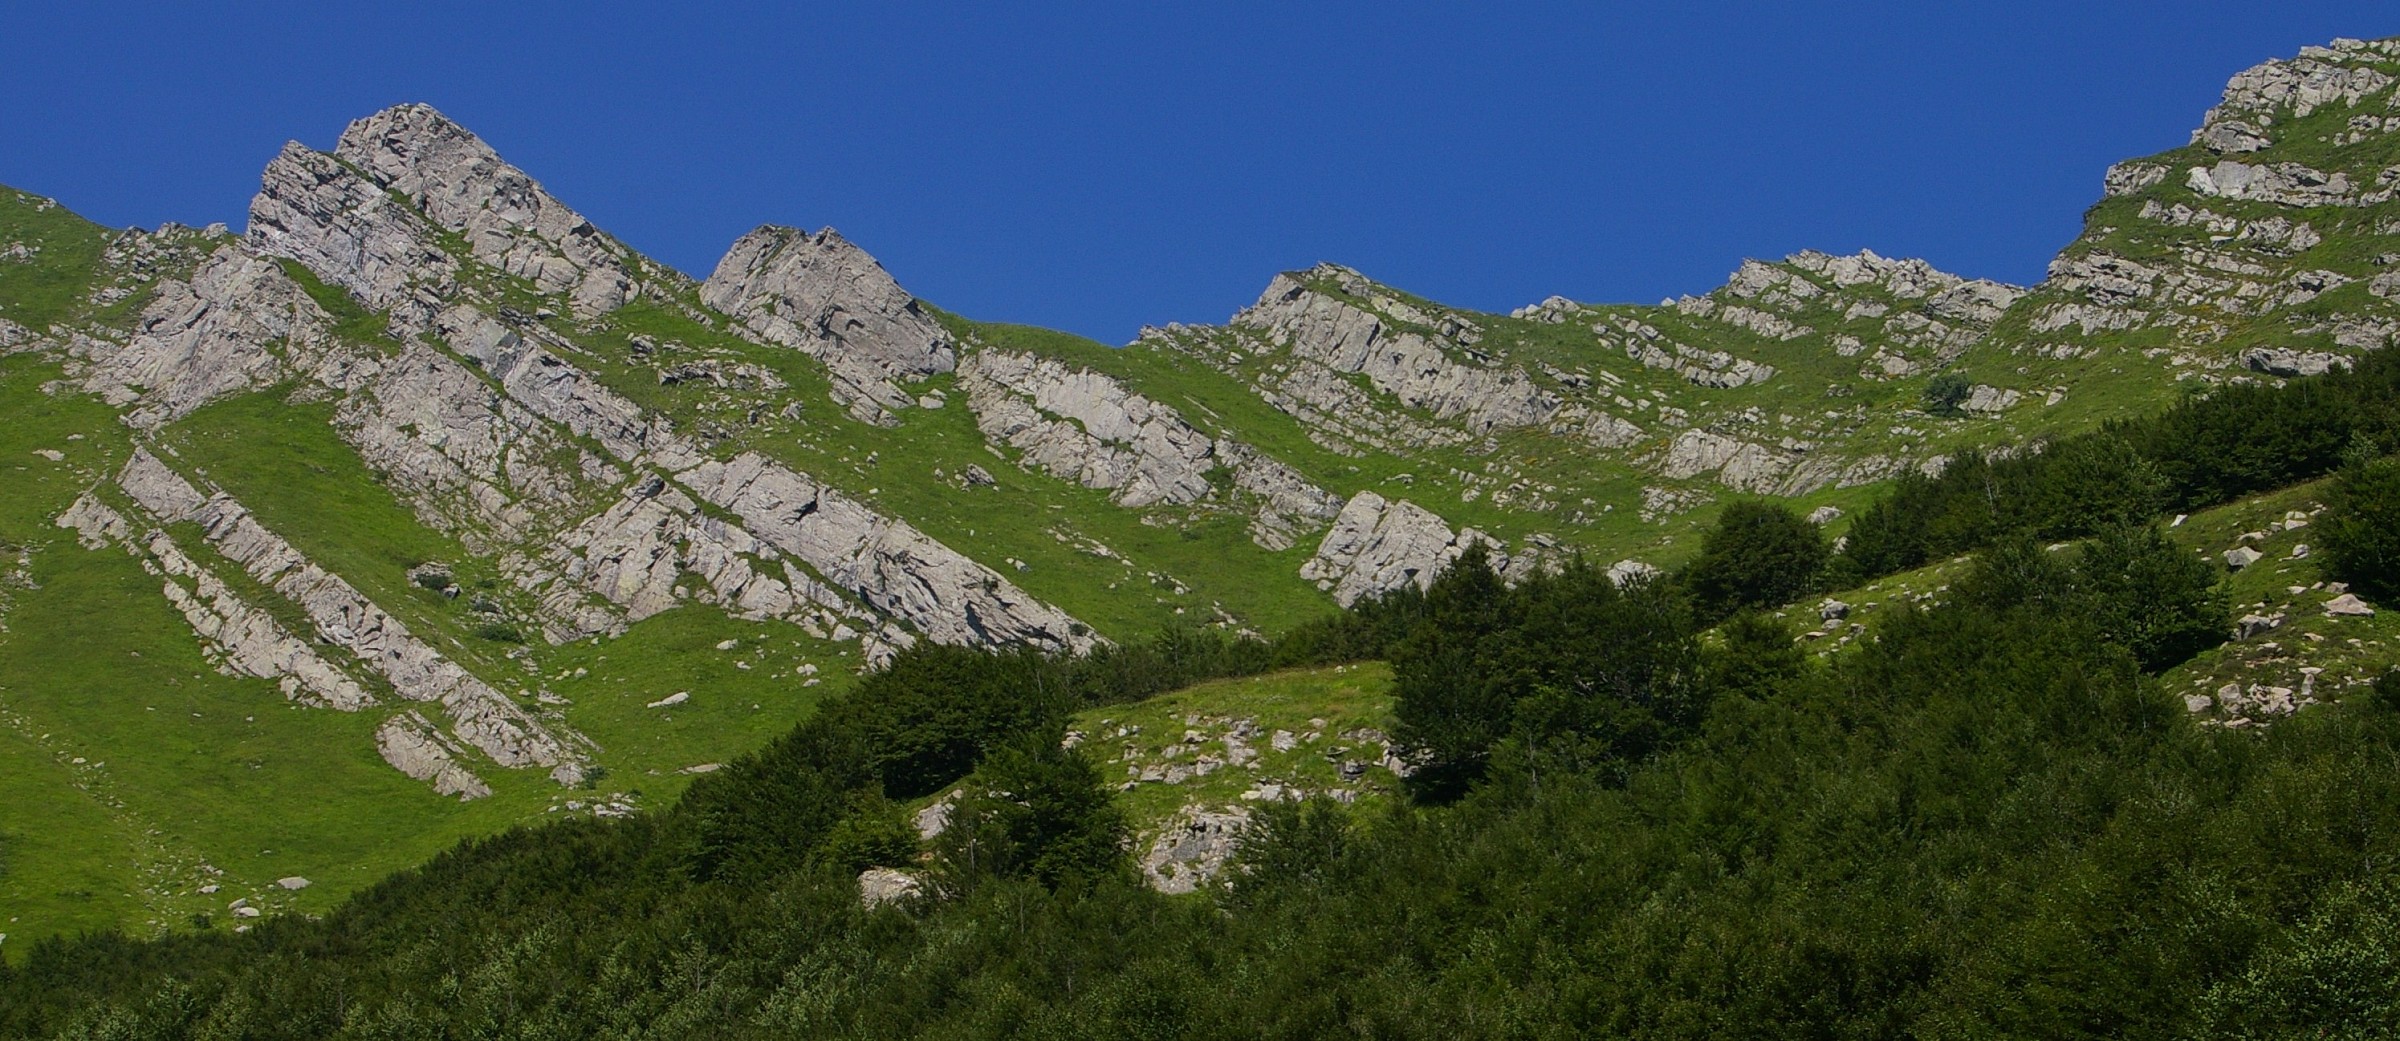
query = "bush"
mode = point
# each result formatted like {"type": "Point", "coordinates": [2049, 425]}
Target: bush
{"type": "Point", "coordinates": [1945, 392]}
{"type": "Point", "coordinates": [2360, 536]}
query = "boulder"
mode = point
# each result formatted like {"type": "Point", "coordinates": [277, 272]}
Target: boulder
{"type": "Point", "coordinates": [2253, 624]}
{"type": "Point", "coordinates": [880, 886]}
{"type": "Point", "coordinates": [2241, 557]}
{"type": "Point", "coordinates": [2348, 605]}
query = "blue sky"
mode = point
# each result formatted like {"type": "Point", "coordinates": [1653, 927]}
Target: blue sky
{"type": "Point", "coordinates": [1095, 167]}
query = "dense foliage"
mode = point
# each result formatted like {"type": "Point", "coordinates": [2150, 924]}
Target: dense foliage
{"type": "Point", "coordinates": [2361, 539]}
{"type": "Point", "coordinates": [1758, 555]}
{"type": "Point", "coordinates": [2205, 450]}
{"type": "Point", "coordinates": [1986, 820]}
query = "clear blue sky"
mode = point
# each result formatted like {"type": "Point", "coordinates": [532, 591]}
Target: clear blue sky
{"type": "Point", "coordinates": [1095, 166]}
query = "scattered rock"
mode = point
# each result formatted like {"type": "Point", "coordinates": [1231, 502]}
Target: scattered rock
{"type": "Point", "coordinates": [2253, 624]}
{"type": "Point", "coordinates": [2241, 557]}
{"type": "Point", "coordinates": [1192, 849]}
{"type": "Point", "coordinates": [292, 882]}
{"type": "Point", "coordinates": [671, 700]}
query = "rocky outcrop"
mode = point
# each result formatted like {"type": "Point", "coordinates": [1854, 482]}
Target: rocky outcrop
{"type": "Point", "coordinates": [314, 209]}
{"type": "Point", "coordinates": [2319, 77]}
{"type": "Point", "coordinates": [1193, 848]}
{"type": "Point", "coordinates": [887, 563]}
{"type": "Point", "coordinates": [880, 886]}
{"type": "Point", "coordinates": [820, 294]}
{"type": "Point", "coordinates": [479, 715]}
{"type": "Point", "coordinates": [239, 637]}
{"type": "Point", "coordinates": [327, 215]}
{"type": "Point", "coordinates": [1379, 544]}
{"type": "Point", "coordinates": [415, 747]}
{"type": "Point", "coordinates": [2286, 184]}
{"type": "Point", "coordinates": [1325, 331]}
{"type": "Point", "coordinates": [229, 329]}
{"type": "Point", "coordinates": [504, 216]}
{"type": "Point", "coordinates": [1087, 427]}
{"type": "Point", "coordinates": [2284, 361]}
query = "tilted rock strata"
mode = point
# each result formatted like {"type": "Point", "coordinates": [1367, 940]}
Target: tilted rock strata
{"type": "Point", "coordinates": [240, 638]}
{"type": "Point", "coordinates": [414, 746]}
{"type": "Point", "coordinates": [506, 218]}
{"type": "Point", "coordinates": [820, 294]}
{"type": "Point", "coordinates": [1087, 427]}
{"type": "Point", "coordinates": [319, 211]}
{"type": "Point", "coordinates": [479, 715]}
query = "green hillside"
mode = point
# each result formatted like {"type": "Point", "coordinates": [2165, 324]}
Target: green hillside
{"type": "Point", "coordinates": [423, 510]}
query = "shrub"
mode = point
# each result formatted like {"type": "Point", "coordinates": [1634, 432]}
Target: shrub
{"type": "Point", "coordinates": [1945, 392]}
{"type": "Point", "coordinates": [2360, 536]}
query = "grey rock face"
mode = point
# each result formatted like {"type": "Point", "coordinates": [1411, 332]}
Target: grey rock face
{"type": "Point", "coordinates": [415, 747]}
{"type": "Point", "coordinates": [1193, 849]}
{"type": "Point", "coordinates": [2348, 605]}
{"type": "Point", "coordinates": [2288, 184]}
{"type": "Point", "coordinates": [241, 638]}
{"type": "Point", "coordinates": [319, 212]}
{"type": "Point", "coordinates": [2318, 78]}
{"type": "Point", "coordinates": [313, 209]}
{"type": "Point", "coordinates": [1087, 427]}
{"type": "Point", "coordinates": [880, 886]}
{"type": "Point", "coordinates": [1989, 400]}
{"type": "Point", "coordinates": [1328, 332]}
{"type": "Point", "coordinates": [1737, 464]}
{"type": "Point", "coordinates": [479, 715]}
{"type": "Point", "coordinates": [2284, 361]}
{"type": "Point", "coordinates": [208, 338]}
{"type": "Point", "coordinates": [887, 563]}
{"type": "Point", "coordinates": [1379, 544]}
{"type": "Point", "coordinates": [507, 220]}
{"type": "Point", "coordinates": [820, 294]}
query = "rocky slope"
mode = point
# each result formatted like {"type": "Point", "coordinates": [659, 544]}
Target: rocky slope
{"type": "Point", "coordinates": [783, 472]}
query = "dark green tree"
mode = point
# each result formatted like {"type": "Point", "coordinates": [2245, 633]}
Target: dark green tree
{"type": "Point", "coordinates": [1033, 810]}
{"type": "Point", "coordinates": [1758, 555]}
{"type": "Point", "coordinates": [2360, 536]}
{"type": "Point", "coordinates": [1455, 675]}
{"type": "Point", "coordinates": [2152, 596]}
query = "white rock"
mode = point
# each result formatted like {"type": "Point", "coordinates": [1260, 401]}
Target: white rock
{"type": "Point", "coordinates": [2348, 605]}
{"type": "Point", "coordinates": [1193, 848]}
{"type": "Point", "coordinates": [880, 886]}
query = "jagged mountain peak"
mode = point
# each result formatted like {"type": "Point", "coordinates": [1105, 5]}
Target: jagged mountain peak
{"type": "Point", "coordinates": [822, 294]}
{"type": "Point", "coordinates": [2345, 72]}
{"type": "Point", "coordinates": [334, 213]}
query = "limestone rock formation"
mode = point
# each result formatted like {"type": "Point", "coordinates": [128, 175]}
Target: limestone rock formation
{"type": "Point", "coordinates": [1192, 849]}
{"type": "Point", "coordinates": [1088, 427]}
{"type": "Point", "coordinates": [820, 294]}
{"type": "Point", "coordinates": [415, 747]}
{"type": "Point", "coordinates": [1379, 544]}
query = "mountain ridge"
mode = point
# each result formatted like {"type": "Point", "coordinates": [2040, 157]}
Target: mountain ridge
{"type": "Point", "coordinates": [798, 466]}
